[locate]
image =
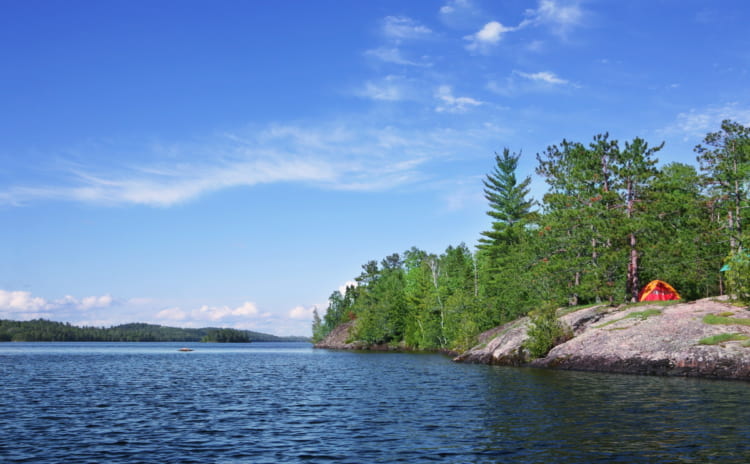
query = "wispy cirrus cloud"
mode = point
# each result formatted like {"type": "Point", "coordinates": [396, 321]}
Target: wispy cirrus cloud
{"type": "Point", "coordinates": [389, 88]}
{"type": "Point", "coordinates": [460, 13]}
{"type": "Point", "coordinates": [451, 103]}
{"type": "Point", "coordinates": [698, 122]}
{"type": "Point", "coordinates": [560, 15]}
{"type": "Point", "coordinates": [404, 28]}
{"type": "Point", "coordinates": [395, 55]}
{"type": "Point", "coordinates": [520, 82]}
{"type": "Point", "coordinates": [353, 155]}
{"type": "Point", "coordinates": [543, 76]}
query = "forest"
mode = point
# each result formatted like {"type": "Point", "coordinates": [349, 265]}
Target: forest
{"type": "Point", "coordinates": [41, 330]}
{"type": "Point", "coordinates": [610, 221]}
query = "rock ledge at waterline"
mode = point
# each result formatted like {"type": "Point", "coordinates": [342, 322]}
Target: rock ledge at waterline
{"type": "Point", "coordinates": [605, 339]}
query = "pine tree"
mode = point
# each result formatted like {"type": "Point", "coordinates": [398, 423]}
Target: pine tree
{"type": "Point", "coordinates": [725, 158]}
{"type": "Point", "coordinates": [501, 262]}
{"type": "Point", "coordinates": [507, 198]}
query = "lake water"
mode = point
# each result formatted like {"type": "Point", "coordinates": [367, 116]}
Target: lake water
{"type": "Point", "coordinates": [279, 403]}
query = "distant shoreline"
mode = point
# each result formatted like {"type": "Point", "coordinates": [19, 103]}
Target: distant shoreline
{"type": "Point", "coordinates": [42, 330]}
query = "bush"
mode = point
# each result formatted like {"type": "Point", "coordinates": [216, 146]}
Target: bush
{"type": "Point", "coordinates": [738, 276]}
{"type": "Point", "coordinates": [545, 332]}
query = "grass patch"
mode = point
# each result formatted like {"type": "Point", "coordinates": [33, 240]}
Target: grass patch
{"type": "Point", "coordinates": [724, 320]}
{"type": "Point", "coordinates": [721, 338]}
{"type": "Point", "coordinates": [642, 315]}
{"type": "Point", "coordinates": [726, 314]}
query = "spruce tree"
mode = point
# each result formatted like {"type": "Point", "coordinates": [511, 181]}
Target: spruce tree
{"type": "Point", "coordinates": [501, 261]}
{"type": "Point", "coordinates": [507, 199]}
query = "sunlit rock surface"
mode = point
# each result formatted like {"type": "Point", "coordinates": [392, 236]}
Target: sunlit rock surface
{"type": "Point", "coordinates": [612, 340]}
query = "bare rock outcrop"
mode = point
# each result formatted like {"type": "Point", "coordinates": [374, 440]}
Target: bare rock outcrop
{"type": "Point", "coordinates": [656, 339]}
{"type": "Point", "coordinates": [339, 338]}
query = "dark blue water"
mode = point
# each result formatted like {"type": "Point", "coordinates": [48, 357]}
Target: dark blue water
{"type": "Point", "coordinates": [277, 403]}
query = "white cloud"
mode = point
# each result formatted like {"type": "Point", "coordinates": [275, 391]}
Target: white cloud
{"type": "Point", "coordinates": [394, 55]}
{"type": "Point", "coordinates": [391, 88]}
{"type": "Point", "coordinates": [460, 13]}
{"type": "Point", "coordinates": [302, 313]}
{"type": "Point", "coordinates": [543, 76]}
{"type": "Point", "coordinates": [402, 27]}
{"type": "Point", "coordinates": [217, 313]}
{"type": "Point", "coordinates": [23, 305]}
{"type": "Point", "coordinates": [699, 122]}
{"type": "Point", "coordinates": [19, 301]}
{"type": "Point", "coordinates": [453, 6]}
{"type": "Point", "coordinates": [559, 15]}
{"type": "Point", "coordinates": [355, 153]}
{"type": "Point", "coordinates": [519, 83]}
{"type": "Point", "coordinates": [487, 37]}
{"type": "Point", "coordinates": [452, 104]}
{"type": "Point", "coordinates": [90, 302]}
{"type": "Point", "coordinates": [247, 309]}
{"type": "Point", "coordinates": [185, 183]}
{"type": "Point", "coordinates": [174, 314]}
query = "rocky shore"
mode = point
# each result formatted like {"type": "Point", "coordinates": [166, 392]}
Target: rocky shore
{"type": "Point", "coordinates": [659, 338]}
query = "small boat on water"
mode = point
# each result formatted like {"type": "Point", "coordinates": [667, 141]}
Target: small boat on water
{"type": "Point", "coordinates": [185, 349]}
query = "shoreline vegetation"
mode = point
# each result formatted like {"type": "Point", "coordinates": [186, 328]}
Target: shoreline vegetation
{"type": "Point", "coordinates": [611, 220]}
{"type": "Point", "coordinates": [42, 330]}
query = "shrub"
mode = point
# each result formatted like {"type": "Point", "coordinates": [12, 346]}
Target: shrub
{"type": "Point", "coordinates": [738, 276]}
{"type": "Point", "coordinates": [545, 332]}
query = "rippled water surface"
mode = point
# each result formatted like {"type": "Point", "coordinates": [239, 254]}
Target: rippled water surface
{"type": "Point", "coordinates": [276, 403]}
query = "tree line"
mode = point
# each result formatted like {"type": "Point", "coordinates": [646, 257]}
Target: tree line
{"type": "Point", "coordinates": [610, 221]}
{"type": "Point", "coordinates": [42, 330]}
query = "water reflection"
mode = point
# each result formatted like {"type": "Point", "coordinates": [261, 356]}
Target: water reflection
{"type": "Point", "coordinates": [618, 418]}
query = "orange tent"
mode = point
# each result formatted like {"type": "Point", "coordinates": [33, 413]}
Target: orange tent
{"type": "Point", "coordinates": [658, 290]}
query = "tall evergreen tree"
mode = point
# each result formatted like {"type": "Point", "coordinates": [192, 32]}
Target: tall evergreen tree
{"type": "Point", "coordinates": [635, 170]}
{"type": "Point", "coordinates": [499, 260]}
{"type": "Point", "coordinates": [580, 217]}
{"type": "Point", "coordinates": [508, 199]}
{"type": "Point", "coordinates": [680, 242]}
{"type": "Point", "coordinates": [724, 157]}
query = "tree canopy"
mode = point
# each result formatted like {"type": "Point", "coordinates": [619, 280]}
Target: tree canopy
{"type": "Point", "coordinates": [611, 220]}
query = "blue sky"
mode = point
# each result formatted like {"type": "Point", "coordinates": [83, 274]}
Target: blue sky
{"type": "Point", "coordinates": [231, 163]}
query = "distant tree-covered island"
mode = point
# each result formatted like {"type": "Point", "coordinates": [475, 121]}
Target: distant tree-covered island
{"type": "Point", "coordinates": [42, 330]}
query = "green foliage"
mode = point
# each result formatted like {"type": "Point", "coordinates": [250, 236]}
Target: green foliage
{"type": "Point", "coordinates": [682, 244]}
{"type": "Point", "coordinates": [725, 158]}
{"type": "Point", "coordinates": [41, 330]}
{"type": "Point", "coordinates": [724, 320]}
{"type": "Point", "coordinates": [545, 332]}
{"type": "Point", "coordinates": [738, 276]}
{"type": "Point", "coordinates": [610, 221]}
{"type": "Point", "coordinates": [317, 327]}
{"type": "Point", "coordinates": [507, 199]}
{"type": "Point", "coordinates": [721, 338]}
{"type": "Point", "coordinates": [225, 336]}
